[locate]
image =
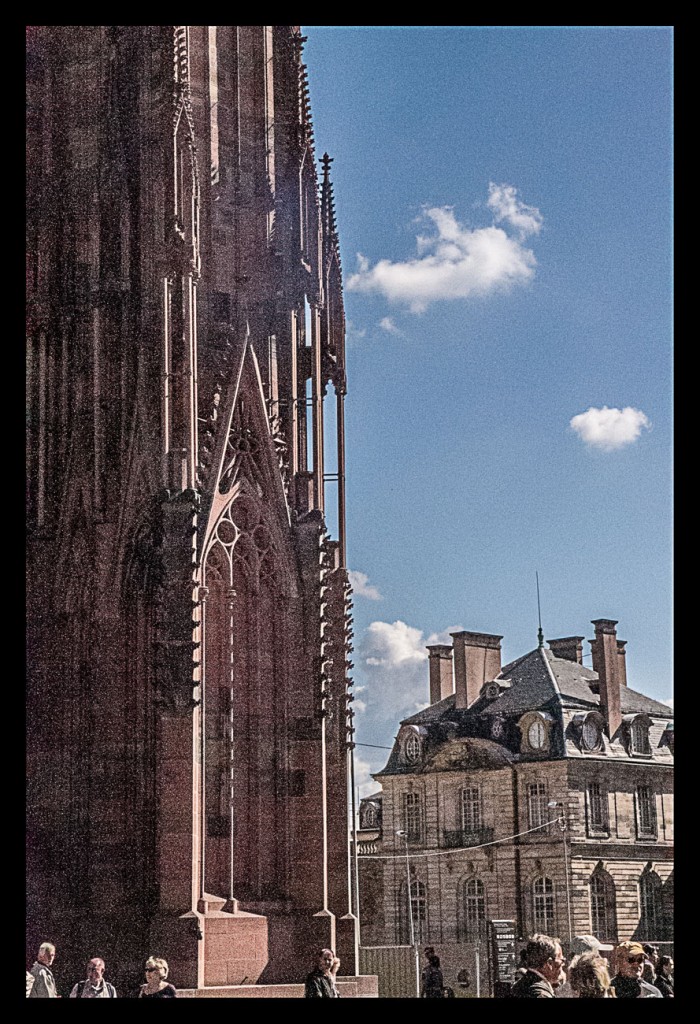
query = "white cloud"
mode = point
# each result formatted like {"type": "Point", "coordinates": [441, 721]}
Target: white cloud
{"type": "Point", "coordinates": [609, 429]}
{"type": "Point", "coordinates": [359, 581]}
{"type": "Point", "coordinates": [393, 644]}
{"type": "Point", "coordinates": [444, 636]}
{"type": "Point", "coordinates": [359, 705]}
{"type": "Point", "coordinates": [454, 261]}
{"type": "Point", "coordinates": [363, 780]}
{"type": "Point", "coordinates": [506, 206]}
{"type": "Point", "coordinates": [668, 702]}
{"type": "Point", "coordinates": [388, 325]}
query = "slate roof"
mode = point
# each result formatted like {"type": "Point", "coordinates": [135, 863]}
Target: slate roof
{"type": "Point", "coordinates": [537, 681]}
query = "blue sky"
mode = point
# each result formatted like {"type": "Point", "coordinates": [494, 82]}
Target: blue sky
{"type": "Point", "coordinates": [504, 202]}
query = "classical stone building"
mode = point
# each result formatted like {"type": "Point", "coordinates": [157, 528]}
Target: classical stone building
{"type": "Point", "coordinates": [539, 792]}
{"type": "Point", "coordinates": [188, 613]}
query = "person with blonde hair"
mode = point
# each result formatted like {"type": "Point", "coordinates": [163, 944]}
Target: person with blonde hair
{"type": "Point", "coordinates": [589, 977]}
{"type": "Point", "coordinates": [156, 986]}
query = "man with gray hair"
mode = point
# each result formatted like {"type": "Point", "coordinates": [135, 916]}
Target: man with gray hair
{"type": "Point", "coordinates": [94, 986]}
{"type": "Point", "coordinates": [44, 986]}
{"type": "Point", "coordinates": [544, 969]}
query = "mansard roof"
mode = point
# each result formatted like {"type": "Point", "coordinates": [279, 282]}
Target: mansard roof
{"type": "Point", "coordinates": [457, 738]}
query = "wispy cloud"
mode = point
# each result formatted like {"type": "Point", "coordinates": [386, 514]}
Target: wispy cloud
{"type": "Point", "coordinates": [609, 429]}
{"type": "Point", "coordinates": [503, 200]}
{"type": "Point", "coordinates": [359, 581]}
{"type": "Point", "coordinates": [454, 261]}
{"type": "Point", "coordinates": [668, 702]}
{"type": "Point", "coordinates": [388, 325]}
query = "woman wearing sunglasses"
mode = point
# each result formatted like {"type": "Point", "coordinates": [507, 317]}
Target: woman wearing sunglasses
{"type": "Point", "coordinates": [156, 986]}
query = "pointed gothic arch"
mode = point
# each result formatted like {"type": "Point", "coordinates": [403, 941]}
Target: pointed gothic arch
{"type": "Point", "coordinates": [651, 906]}
{"type": "Point", "coordinates": [603, 897]}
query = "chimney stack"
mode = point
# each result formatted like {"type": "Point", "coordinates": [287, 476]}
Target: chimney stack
{"type": "Point", "coordinates": [622, 661]}
{"type": "Point", "coordinates": [606, 662]}
{"type": "Point", "coordinates": [568, 647]}
{"type": "Point", "coordinates": [440, 664]}
{"type": "Point", "coordinates": [477, 659]}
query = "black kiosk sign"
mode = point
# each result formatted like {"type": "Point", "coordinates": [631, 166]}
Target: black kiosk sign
{"type": "Point", "coordinates": [502, 956]}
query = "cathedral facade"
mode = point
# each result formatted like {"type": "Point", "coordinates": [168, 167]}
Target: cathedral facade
{"type": "Point", "coordinates": [189, 718]}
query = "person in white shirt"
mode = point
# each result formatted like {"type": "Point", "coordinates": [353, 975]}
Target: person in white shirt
{"type": "Point", "coordinates": [44, 986]}
{"type": "Point", "coordinates": [94, 986]}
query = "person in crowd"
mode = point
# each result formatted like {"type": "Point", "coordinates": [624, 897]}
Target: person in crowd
{"type": "Point", "coordinates": [629, 958]}
{"type": "Point", "coordinates": [94, 986]}
{"type": "Point", "coordinates": [544, 963]}
{"type": "Point", "coordinates": [432, 982]}
{"type": "Point", "coordinates": [664, 976]}
{"type": "Point", "coordinates": [652, 959]}
{"type": "Point", "coordinates": [44, 986]}
{"type": "Point", "coordinates": [320, 983]}
{"type": "Point", "coordinates": [589, 977]}
{"type": "Point", "coordinates": [156, 986]}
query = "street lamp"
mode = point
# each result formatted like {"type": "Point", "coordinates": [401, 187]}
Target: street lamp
{"type": "Point", "coordinates": [404, 835]}
{"type": "Point", "coordinates": [564, 829]}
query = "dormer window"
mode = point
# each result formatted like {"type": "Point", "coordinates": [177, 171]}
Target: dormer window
{"type": "Point", "coordinates": [412, 749]}
{"type": "Point", "coordinates": [640, 737]}
{"type": "Point", "coordinates": [535, 728]}
{"type": "Point", "coordinates": [637, 728]}
{"type": "Point", "coordinates": [537, 734]}
{"type": "Point", "coordinates": [592, 733]}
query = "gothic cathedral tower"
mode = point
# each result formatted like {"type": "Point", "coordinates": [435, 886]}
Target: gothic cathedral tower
{"type": "Point", "coordinates": [189, 628]}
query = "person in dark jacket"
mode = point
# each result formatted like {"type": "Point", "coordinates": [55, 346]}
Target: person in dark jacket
{"type": "Point", "coordinates": [432, 982]}
{"type": "Point", "coordinates": [629, 958]}
{"type": "Point", "coordinates": [544, 963]}
{"type": "Point", "coordinates": [664, 977]}
{"type": "Point", "coordinates": [320, 983]}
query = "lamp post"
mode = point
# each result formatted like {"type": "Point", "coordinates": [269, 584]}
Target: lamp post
{"type": "Point", "coordinates": [563, 824]}
{"type": "Point", "coordinates": [402, 832]}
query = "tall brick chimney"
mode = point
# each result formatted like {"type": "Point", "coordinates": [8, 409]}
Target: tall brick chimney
{"type": "Point", "coordinates": [477, 659]}
{"type": "Point", "coordinates": [568, 647]}
{"type": "Point", "coordinates": [440, 665]}
{"type": "Point", "coordinates": [606, 662]}
{"type": "Point", "coordinates": [622, 661]}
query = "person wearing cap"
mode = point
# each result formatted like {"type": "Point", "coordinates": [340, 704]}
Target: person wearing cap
{"type": "Point", "coordinates": [628, 982]}
{"type": "Point", "coordinates": [588, 944]}
{"type": "Point", "coordinates": [544, 961]}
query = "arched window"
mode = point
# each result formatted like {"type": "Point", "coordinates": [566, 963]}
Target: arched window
{"type": "Point", "coordinates": [418, 913]}
{"type": "Point", "coordinates": [472, 916]}
{"type": "Point", "coordinates": [368, 816]}
{"type": "Point", "coordinates": [603, 906]}
{"type": "Point", "coordinates": [639, 736]}
{"type": "Point", "coordinates": [543, 905]}
{"type": "Point", "coordinates": [650, 906]}
{"type": "Point", "coordinates": [470, 809]}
